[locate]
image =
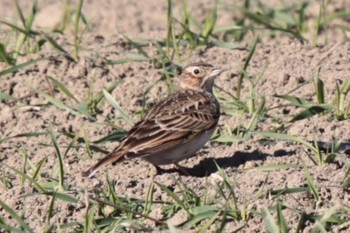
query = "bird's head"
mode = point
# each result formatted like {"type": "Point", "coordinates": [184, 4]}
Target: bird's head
{"type": "Point", "coordinates": [199, 76]}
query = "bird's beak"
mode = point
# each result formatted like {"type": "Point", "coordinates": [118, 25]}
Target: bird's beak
{"type": "Point", "coordinates": [217, 72]}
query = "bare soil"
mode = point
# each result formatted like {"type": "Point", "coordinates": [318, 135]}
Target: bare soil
{"type": "Point", "coordinates": [284, 63]}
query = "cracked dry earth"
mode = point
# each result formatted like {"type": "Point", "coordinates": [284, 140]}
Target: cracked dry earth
{"type": "Point", "coordinates": [286, 66]}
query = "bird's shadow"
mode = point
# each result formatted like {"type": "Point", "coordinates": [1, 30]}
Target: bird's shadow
{"type": "Point", "coordinates": [207, 166]}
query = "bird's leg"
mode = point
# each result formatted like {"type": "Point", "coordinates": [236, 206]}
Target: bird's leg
{"type": "Point", "coordinates": [182, 170]}
{"type": "Point", "coordinates": [159, 170]}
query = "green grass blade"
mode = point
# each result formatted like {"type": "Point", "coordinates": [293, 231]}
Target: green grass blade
{"type": "Point", "coordinates": [173, 196]}
{"type": "Point", "coordinates": [341, 14]}
{"type": "Point", "coordinates": [29, 33]}
{"type": "Point", "coordinates": [135, 57]}
{"type": "Point", "coordinates": [32, 181]}
{"type": "Point", "coordinates": [210, 22]}
{"type": "Point", "coordinates": [49, 214]}
{"type": "Point", "coordinates": [116, 136]}
{"type": "Point", "coordinates": [257, 17]}
{"type": "Point", "coordinates": [58, 47]}
{"type": "Point", "coordinates": [268, 19]}
{"type": "Point", "coordinates": [17, 68]}
{"type": "Point", "coordinates": [38, 168]}
{"type": "Point", "coordinates": [58, 103]}
{"type": "Point", "coordinates": [20, 14]}
{"type": "Point", "coordinates": [138, 47]}
{"type": "Point", "coordinates": [270, 223]}
{"type": "Point", "coordinates": [5, 96]}
{"type": "Point", "coordinates": [149, 200]}
{"type": "Point", "coordinates": [279, 192]}
{"type": "Point", "coordinates": [171, 228]}
{"type": "Point", "coordinates": [223, 223]}
{"type": "Point", "coordinates": [87, 143]}
{"type": "Point", "coordinates": [89, 220]}
{"type": "Point", "coordinates": [203, 209]}
{"type": "Point", "coordinates": [85, 21]}
{"type": "Point", "coordinates": [226, 28]}
{"type": "Point", "coordinates": [169, 27]}
{"type": "Point", "coordinates": [281, 219]}
{"type": "Point", "coordinates": [168, 79]}
{"type": "Point", "coordinates": [255, 117]}
{"type": "Point", "coordinates": [319, 88]}
{"type": "Point", "coordinates": [195, 219]}
{"type": "Point", "coordinates": [61, 196]}
{"type": "Point", "coordinates": [63, 88]}
{"type": "Point", "coordinates": [30, 20]}
{"type": "Point", "coordinates": [29, 134]}
{"type": "Point", "coordinates": [28, 25]}
{"type": "Point", "coordinates": [312, 111]}
{"type": "Point", "coordinates": [5, 56]}
{"type": "Point", "coordinates": [295, 101]}
{"type": "Point", "coordinates": [311, 184]}
{"type": "Point", "coordinates": [64, 197]}
{"type": "Point", "coordinates": [227, 138]}
{"type": "Point", "coordinates": [24, 156]}
{"type": "Point", "coordinates": [346, 87]}
{"type": "Point", "coordinates": [59, 158]}
{"type": "Point", "coordinates": [114, 103]}
{"type": "Point", "coordinates": [7, 228]}
{"type": "Point", "coordinates": [275, 167]}
{"type": "Point", "coordinates": [226, 45]}
{"type": "Point", "coordinates": [340, 101]}
{"type": "Point", "coordinates": [109, 89]}
{"type": "Point", "coordinates": [286, 137]}
{"type": "Point", "coordinates": [245, 66]}
{"type": "Point", "coordinates": [209, 223]}
{"type": "Point", "coordinates": [15, 216]}
{"type": "Point", "coordinates": [76, 29]}
{"type": "Point", "coordinates": [71, 144]}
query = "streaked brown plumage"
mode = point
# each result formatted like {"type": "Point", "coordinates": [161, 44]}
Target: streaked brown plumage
{"type": "Point", "coordinates": [176, 127]}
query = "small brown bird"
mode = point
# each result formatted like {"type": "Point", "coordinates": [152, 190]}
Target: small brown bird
{"type": "Point", "coordinates": [176, 127]}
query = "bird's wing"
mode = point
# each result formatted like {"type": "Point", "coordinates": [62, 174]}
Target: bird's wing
{"type": "Point", "coordinates": [172, 122]}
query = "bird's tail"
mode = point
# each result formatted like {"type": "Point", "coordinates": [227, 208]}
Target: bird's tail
{"type": "Point", "coordinates": [110, 158]}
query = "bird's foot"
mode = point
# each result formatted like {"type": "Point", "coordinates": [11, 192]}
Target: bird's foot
{"type": "Point", "coordinates": [159, 170]}
{"type": "Point", "coordinates": [182, 170]}
{"type": "Point", "coordinates": [179, 169]}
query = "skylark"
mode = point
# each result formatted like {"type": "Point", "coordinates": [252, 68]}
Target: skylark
{"type": "Point", "coordinates": [176, 127]}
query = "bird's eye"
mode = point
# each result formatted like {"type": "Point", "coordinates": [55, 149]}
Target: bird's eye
{"type": "Point", "coordinates": [196, 71]}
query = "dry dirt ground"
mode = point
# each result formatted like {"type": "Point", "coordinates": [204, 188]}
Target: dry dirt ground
{"type": "Point", "coordinates": [285, 64]}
